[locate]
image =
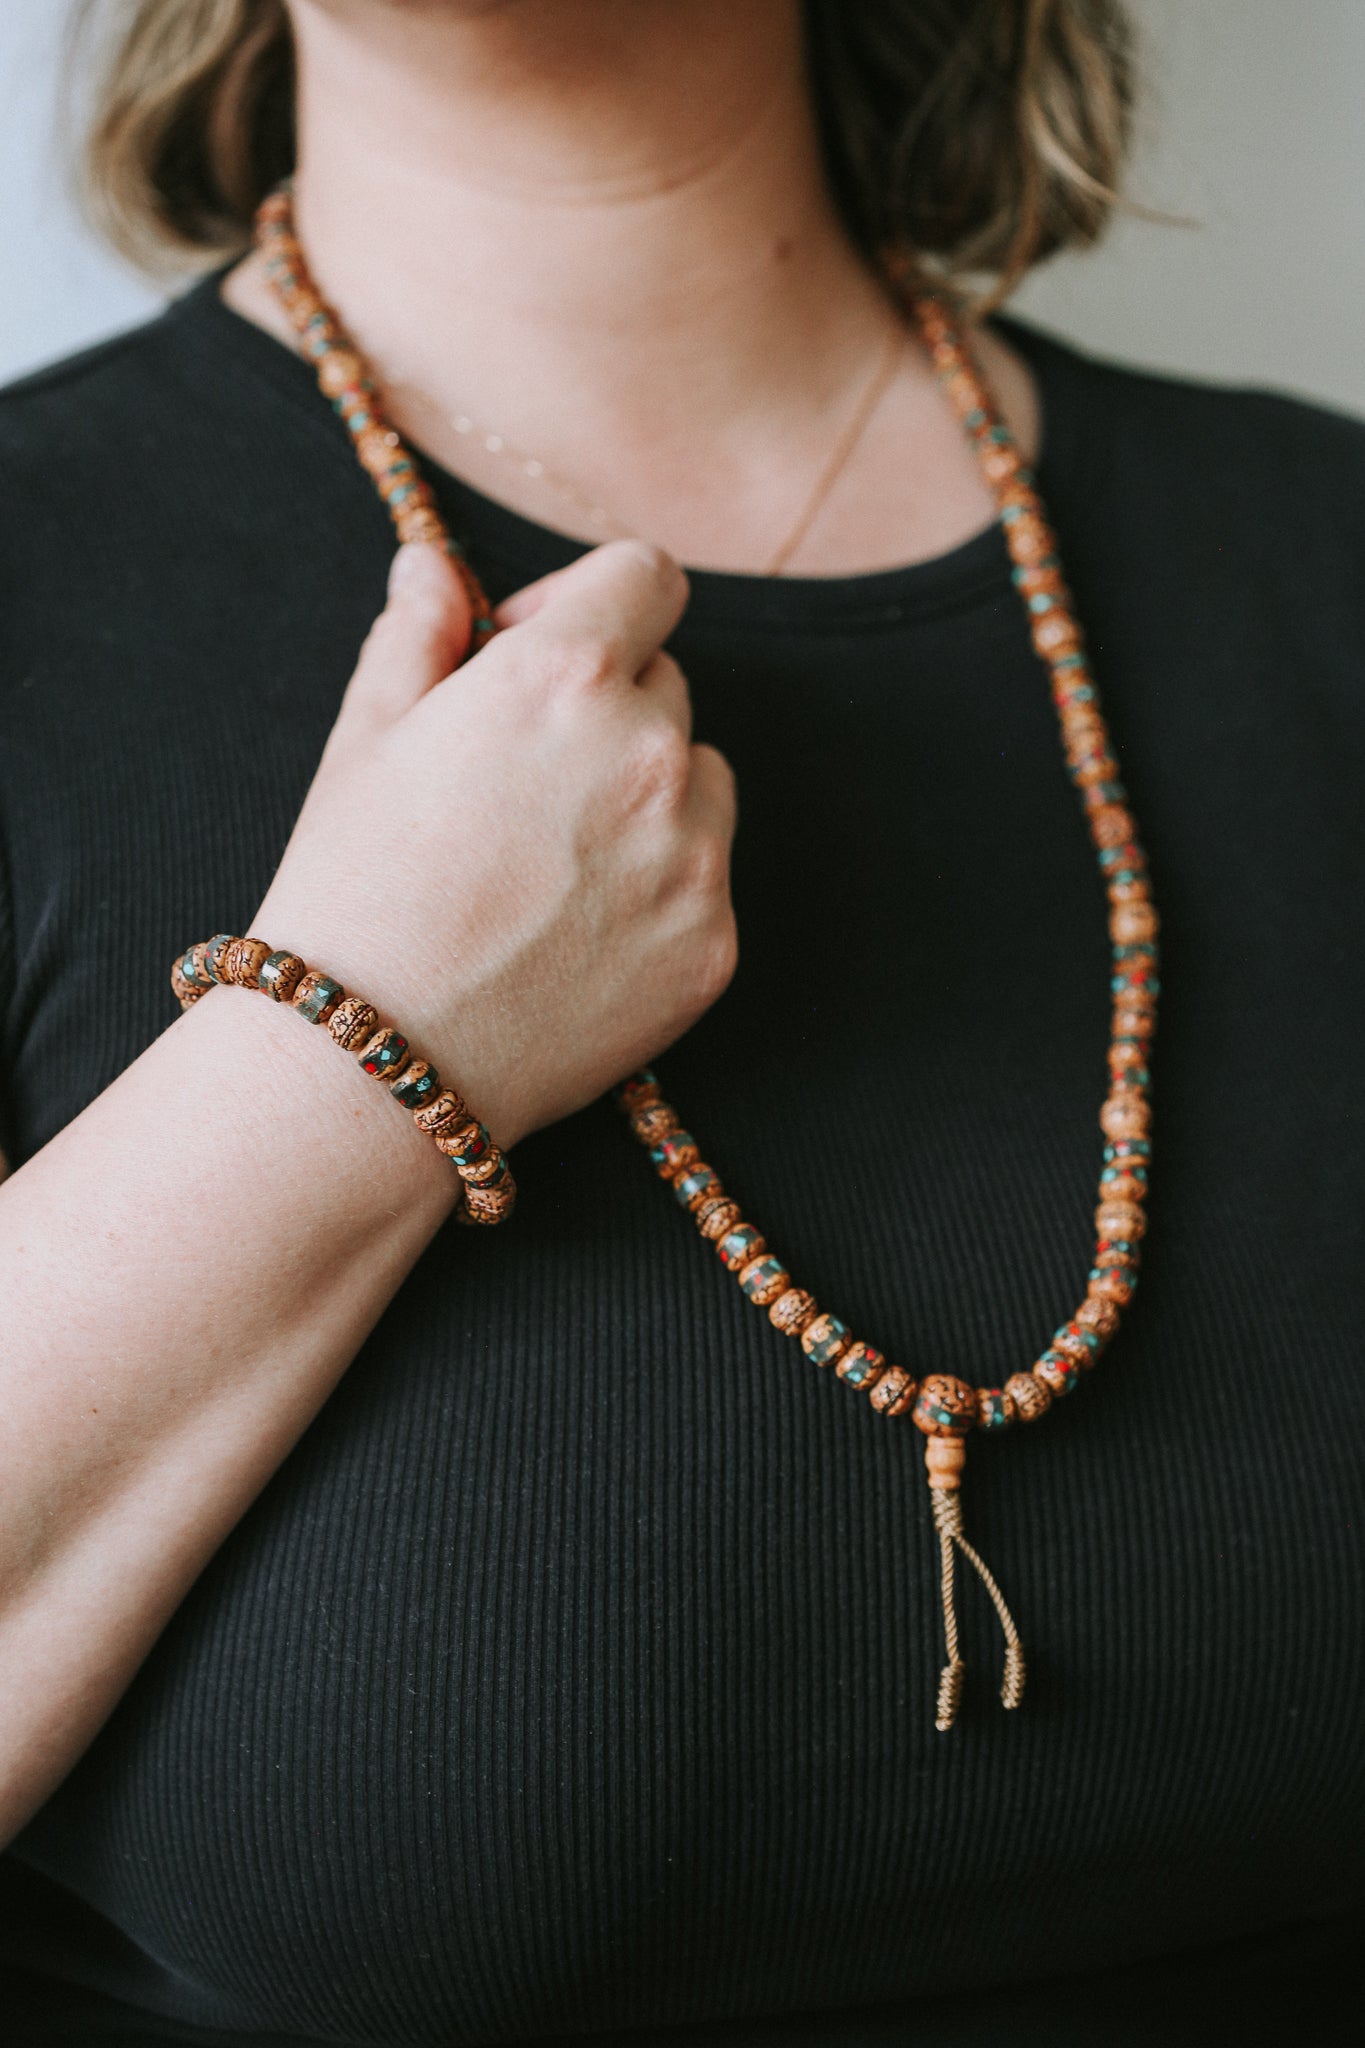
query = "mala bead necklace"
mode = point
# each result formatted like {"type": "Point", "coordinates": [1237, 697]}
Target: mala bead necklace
{"type": "Point", "coordinates": [944, 1407]}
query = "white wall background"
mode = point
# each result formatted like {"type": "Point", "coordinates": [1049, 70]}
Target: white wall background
{"type": "Point", "coordinates": [1253, 121]}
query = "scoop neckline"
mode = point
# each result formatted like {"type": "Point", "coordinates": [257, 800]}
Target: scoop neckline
{"type": "Point", "coordinates": [972, 572]}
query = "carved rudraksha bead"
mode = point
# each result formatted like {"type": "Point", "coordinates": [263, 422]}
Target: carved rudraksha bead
{"type": "Point", "coordinates": [1099, 1315]}
{"type": "Point", "coordinates": [1125, 1115]}
{"type": "Point", "coordinates": [716, 1215]}
{"type": "Point", "coordinates": [489, 1205]}
{"type": "Point", "coordinates": [791, 1312]}
{"type": "Point", "coordinates": [352, 1021]}
{"type": "Point", "coordinates": [445, 1112]}
{"type": "Point", "coordinates": [826, 1339]}
{"type": "Point", "coordinates": [763, 1279]}
{"type": "Point", "coordinates": [946, 1406]}
{"type": "Point", "coordinates": [386, 1053]}
{"type": "Point", "coordinates": [316, 996]}
{"type": "Point", "coordinates": [862, 1366]}
{"type": "Point", "coordinates": [1133, 923]}
{"type": "Point", "coordinates": [640, 1089]}
{"type": "Point", "coordinates": [1030, 1397]}
{"type": "Point", "coordinates": [279, 974]}
{"type": "Point", "coordinates": [242, 961]}
{"type": "Point", "coordinates": [1112, 825]}
{"type": "Point", "coordinates": [654, 1121]}
{"type": "Point", "coordinates": [1120, 1219]}
{"type": "Point", "coordinates": [894, 1393]}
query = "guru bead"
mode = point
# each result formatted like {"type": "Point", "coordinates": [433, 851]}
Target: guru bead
{"type": "Point", "coordinates": [279, 975]}
{"type": "Point", "coordinates": [1030, 1397]}
{"type": "Point", "coordinates": [946, 1406]}
{"type": "Point", "coordinates": [351, 1023]}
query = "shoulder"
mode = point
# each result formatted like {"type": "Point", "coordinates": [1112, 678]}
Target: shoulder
{"type": "Point", "coordinates": [1224, 440]}
{"type": "Point", "coordinates": [1233, 503]}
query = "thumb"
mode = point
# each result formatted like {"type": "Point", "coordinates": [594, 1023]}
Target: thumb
{"type": "Point", "coordinates": [419, 637]}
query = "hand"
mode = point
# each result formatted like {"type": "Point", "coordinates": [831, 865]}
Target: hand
{"type": "Point", "coordinates": [524, 864]}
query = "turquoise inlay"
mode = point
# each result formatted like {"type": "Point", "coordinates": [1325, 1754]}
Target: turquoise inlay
{"type": "Point", "coordinates": [974, 419]}
{"type": "Point", "coordinates": [694, 1184]}
{"type": "Point", "coordinates": [410, 1094]}
{"type": "Point", "coordinates": [317, 999]}
{"type": "Point", "coordinates": [991, 1410]}
{"type": "Point", "coordinates": [1042, 601]}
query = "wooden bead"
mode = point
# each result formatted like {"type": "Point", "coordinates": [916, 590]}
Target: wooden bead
{"type": "Point", "coordinates": [826, 1339]}
{"type": "Point", "coordinates": [792, 1311]}
{"type": "Point", "coordinates": [242, 962]}
{"type": "Point", "coordinates": [385, 1053]}
{"type": "Point", "coordinates": [861, 1366]}
{"type": "Point", "coordinates": [448, 1109]}
{"type": "Point", "coordinates": [1099, 1315]}
{"type": "Point", "coordinates": [894, 1393]}
{"type": "Point", "coordinates": [764, 1279]}
{"type": "Point", "coordinates": [352, 1021]}
{"type": "Point", "coordinates": [653, 1121]}
{"type": "Point", "coordinates": [716, 1216]}
{"type": "Point", "coordinates": [946, 1406]}
{"type": "Point", "coordinates": [214, 950]}
{"type": "Point", "coordinates": [1030, 1397]}
{"type": "Point", "coordinates": [944, 1458]}
{"type": "Point", "coordinates": [279, 975]}
{"type": "Point", "coordinates": [1125, 1115]}
{"type": "Point", "coordinates": [315, 995]}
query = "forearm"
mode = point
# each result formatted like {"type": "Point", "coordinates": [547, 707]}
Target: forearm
{"type": "Point", "coordinates": [186, 1271]}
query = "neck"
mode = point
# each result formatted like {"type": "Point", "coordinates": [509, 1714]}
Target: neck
{"type": "Point", "coordinates": [601, 228]}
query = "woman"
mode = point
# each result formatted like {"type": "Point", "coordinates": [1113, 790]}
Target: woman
{"type": "Point", "coordinates": [414, 1635]}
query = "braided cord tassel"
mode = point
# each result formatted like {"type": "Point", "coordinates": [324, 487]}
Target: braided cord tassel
{"type": "Point", "coordinates": [945, 1457]}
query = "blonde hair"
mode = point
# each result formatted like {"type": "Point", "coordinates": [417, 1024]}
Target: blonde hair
{"type": "Point", "coordinates": [981, 135]}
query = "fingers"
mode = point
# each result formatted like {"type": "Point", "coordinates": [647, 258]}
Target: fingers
{"type": "Point", "coordinates": [712, 804]}
{"type": "Point", "coordinates": [663, 686]}
{"type": "Point", "coordinates": [611, 610]}
{"type": "Point", "coordinates": [418, 638]}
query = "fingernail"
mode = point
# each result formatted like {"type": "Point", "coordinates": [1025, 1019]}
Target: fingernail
{"type": "Point", "coordinates": [417, 562]}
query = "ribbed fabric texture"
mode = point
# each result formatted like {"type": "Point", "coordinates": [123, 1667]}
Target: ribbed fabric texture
{"type": "Point", "coordinates": [574, 1678]}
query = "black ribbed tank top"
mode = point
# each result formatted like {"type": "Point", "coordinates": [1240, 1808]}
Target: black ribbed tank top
{"type": "Point", "coordinates": [573, 1679]}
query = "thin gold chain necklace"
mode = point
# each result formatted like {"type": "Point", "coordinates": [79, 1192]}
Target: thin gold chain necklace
{"type": "Point", "coordinates": [539, 471]}
{"type": "Point", "coordinates": [944, 1407]}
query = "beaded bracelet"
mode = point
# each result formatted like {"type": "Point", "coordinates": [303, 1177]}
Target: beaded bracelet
{"type": "Point", "coordinates": [486, 1182]}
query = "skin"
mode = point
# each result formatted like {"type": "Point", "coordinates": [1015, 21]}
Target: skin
{"type": "Point", "coordinates": [601, 224]}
